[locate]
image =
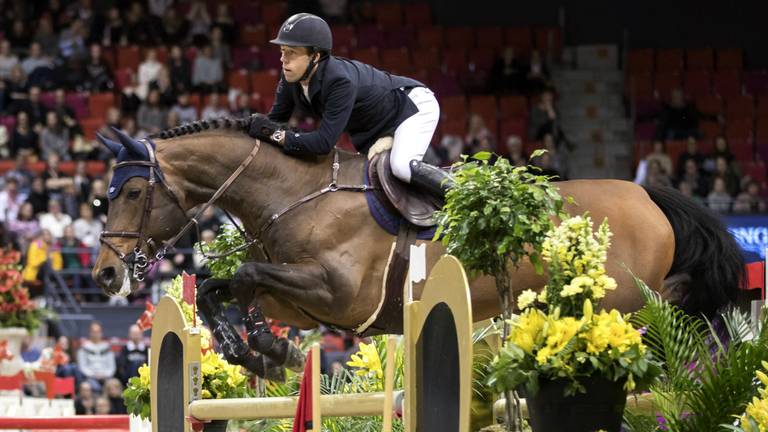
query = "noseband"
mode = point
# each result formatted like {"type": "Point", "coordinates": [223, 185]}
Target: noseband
{"type": "Point", "coordinates": [137, 260]}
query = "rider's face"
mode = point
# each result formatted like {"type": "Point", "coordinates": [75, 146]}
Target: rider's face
{"type": "Point", "coordinates": [295, 61]}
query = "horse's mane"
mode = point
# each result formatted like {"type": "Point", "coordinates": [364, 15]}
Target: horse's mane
{"type": "Point", "coordinates": [233, 124]}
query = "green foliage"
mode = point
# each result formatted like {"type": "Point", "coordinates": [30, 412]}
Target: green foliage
{"type": "Point", "coordinates": [496, 214]}
{"type": "Point", "coordinates": [136, 397]}
{"type": "Point", "coordinates": [228, 239]}
{"type": "Point", "coordinates": [705, 384]}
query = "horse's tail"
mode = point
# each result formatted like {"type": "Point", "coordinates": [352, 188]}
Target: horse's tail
{"type": "Point", "coordinates": [704, 250]}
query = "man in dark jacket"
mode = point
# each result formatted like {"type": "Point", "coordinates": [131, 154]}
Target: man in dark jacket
{"type": "Point", "coordinates": [349, 96]}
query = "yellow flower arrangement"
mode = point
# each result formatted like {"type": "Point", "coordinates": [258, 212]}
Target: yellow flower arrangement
{"type": "Point", "coordinates": [220, 379]}
{"type": "Point", "coordinates": [367, 361]}
{"type": "Point", "coordinates": [755, 417]}
{"type": "Point", "coordinates": [557, 334]}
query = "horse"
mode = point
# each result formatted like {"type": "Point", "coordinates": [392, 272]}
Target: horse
{"type": "Point", "coordinates": [322, 260]}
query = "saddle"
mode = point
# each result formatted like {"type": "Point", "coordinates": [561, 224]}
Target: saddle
{"type": "Point", "coordinates": [416, 206]}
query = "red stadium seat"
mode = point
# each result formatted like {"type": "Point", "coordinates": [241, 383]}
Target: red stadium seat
{"type": "Point", "coordinates": [389, 14]}
{"type": "Point", "coordinates": [756, 82]}
{"type": "Point", "coordinates": [427, 57]}
{"type": "Point", "coordinates": [238, 79]}
{"type": "Point", "coordinates": [700, 59]}
{"type": "Point", "coordinates": [675, 148]}
{"type": "Point", "coordinates": [756, 170]}
{"type": "Point", "coordinates": [762, 107]}
{"type": "Point", "coordinates": [455, 60]}
{"type": "Point", "coordinates": [762, 132]}
{"type": "Point", "coordinates": [481, 59]}
{"type": "Point", "coordinates": [79, 103]}
{"type": "Point", "coordinates": [418, 14]}
{"type": "Point", "coordinates": [343, 35]}
{"type": "Point", "coordinates": [273, 12]}
{"type": "Point", "coordinates": [128, 57]}
{"type": "Point", "coordinates": [486, 107]}
{"type": "Point", "coordinates": [739, 129]}
{"type": "Point", "coordinates": [395, 60]}
{"type": "Point", "coordinates": [548, 39]}
{"type": "Point", "coordinates": [697, 82]}
{"type": "Point", "coordinates": [490, 37]}
{"type": "Point", "coordinates": [98, 103]}
{"type": "Point", "coordinates": [254, 35]}
{"type": "Point", "coordinates": [370, 36]}
{"type": "Point", "coordinates": [513, 126]}
{"type": "Point", "coordinates": [513, 107]}
{"type": "Point", "coordinates": [90, 126]}
{"type": "Point", "coordinates": [367, 55]}
{"type": "Point", "coordinates": [669, 60]}
{"type": "Point", "coordinates": [521, 38]}
{"type": "Point", "coordinates": [665, 83]}
{"type": "Point", "coordinates": [123, 78]}
{"type": "Point", "coordinates": [640, 61]}
{"type": "Point", "coordinates": [108, 54]}
{"type": "Point", "coordinates": [453, 113]}
{"type": "Point", "coordinates": [246, 57]}
{"type": "Point", "coordinates": [742, 149]}
{"type": "Point", "coordinates": [430, 37]}
{"type": "Point", "coordinates": [709, 105]}
{"type": "Point", "coordinates": [95, 168]}
{"type": "Point", "coordinates": [727, 83]}
{"type": "Point", "coordinates": [640, 86]}
{"type": "Point", "coordinates": [264, 82]}
{"type": "Point", "coordinates": [710, 129]}
{"type": "Point", "coordinates": [462, 37]}
{"type": "Point", "coordinates": [740, 107]}
{"type": "Point", "coordinates": [729, 59]}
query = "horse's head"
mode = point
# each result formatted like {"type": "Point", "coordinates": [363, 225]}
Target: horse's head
{"type": "Point", "coordinates": [143, 213]}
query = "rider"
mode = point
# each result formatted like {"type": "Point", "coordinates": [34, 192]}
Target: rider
{"type": "Point", "coordinates": [349, 96]}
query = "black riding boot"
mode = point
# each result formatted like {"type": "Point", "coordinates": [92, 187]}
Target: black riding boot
{"type": "Point", "coordinates": [430, 179]}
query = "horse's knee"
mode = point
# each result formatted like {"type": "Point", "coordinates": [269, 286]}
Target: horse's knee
{"type": "Point", "coordinates": [243, 282]}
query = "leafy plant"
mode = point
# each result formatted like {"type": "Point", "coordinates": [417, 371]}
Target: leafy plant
{"type": "Point", "coordinates": [705, 383]}
{"type": "Point", "coordinates": [229, 239]}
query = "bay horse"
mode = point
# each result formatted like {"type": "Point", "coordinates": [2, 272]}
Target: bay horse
{"type": "Point", "coordinates": [324, 260]}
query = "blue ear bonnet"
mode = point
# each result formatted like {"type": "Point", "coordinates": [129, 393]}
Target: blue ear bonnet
{"type": "Point", "coordinates": [130, 150]}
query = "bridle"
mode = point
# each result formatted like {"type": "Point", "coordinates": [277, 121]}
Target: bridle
{"type": "Point", "coordinates": [137, 261]}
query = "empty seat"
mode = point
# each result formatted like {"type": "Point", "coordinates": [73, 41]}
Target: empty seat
{"type": "Point", "coordinates": [389, 14]}
{"type": "Point", "coordinates": [486, 107]}
{"type": "Point", "coordinates": [709, 104]}
{"type": "Point", "coordinates": [98, 103]}
{"type": "Point", "coordinates": [90, 126]}
{"type": "Point", "coordinates": [246, 57]}
{"type": "Point", "coordinates": [513, 106]}
{"type": "Point", "coordinates": [727, 83]}
{"type": "Point", "coordinates": [430, 37]}
{"type": "Point", "coordinates": [548, 39]}
{"type": "Point", "coordinates": [675, 148]}
{"type": "Point", "coordinates": [640, 61]}
{"type": "Point", "coordinates": [264, 82]}
{"type": "Point", "coordinates": [700, 59]}
{"type": "Point", "coordinates": [756, 170]}
{"type": "Point", "coordinates": [273, 12]}
{"type": "Point", "coordinates": [481, 59]}
{"type": "Point", "coordinates": [509, 127]}
{"type": "Point", "coordinates": [710, 129]}
{"type": "Point", "coordinates": [490, 37]}
{"type": "Point", "coordinates": [742, 149]}
{"type": "Point", "coordinates": [697, 82]}
{"type": "Point", "coordinates": [739, 129]}
{"type": "Point", "coordinates": [665, 83]}
{"type": "Point", "coordinates": [343, 35]}
{"type": "Point", "coordinates": [521, 38]}
{"type": "Point", "coordinates": [428, 57]}
{"type": "Point", "coordinates": [367, 55]}
{"type": "Point", "coordinates": [462, 37]}
{"type": "Point", "coordinates": [740, 107]}
{"type": "Point", "coordinates": [762, 107]}
{"type": "Point", "coordinates": [399, 37]}
{"type": "Point", "coordinates": [128, 57]}
{"type": "Point", "coordinates": [370, 36]}
{"type": "Point", "coordinates": [455, 60]}
{"type": "Point", "coordinates": [418, 14]}
{"type": "Point", "coordinates": [756, 82]}
{"type": "Point", "coordinates": [395, 60]}
{"type": "Point", "coordinates": [729, 59]}
{"type": "Point", "coordinates": [669, 60]}
{"type": "Point", "coordinates": [639, 86]}
{"type": "Point", "coordinates": [238, 79]}
{"type": "Point", "coordinates": [79, 103]}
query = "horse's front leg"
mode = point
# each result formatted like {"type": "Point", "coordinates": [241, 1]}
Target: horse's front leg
{"type": "Point", "coordinates": [301, 284]}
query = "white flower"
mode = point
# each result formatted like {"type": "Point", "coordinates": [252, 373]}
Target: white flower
{"type": "Point", "coordinates": [525, 299]}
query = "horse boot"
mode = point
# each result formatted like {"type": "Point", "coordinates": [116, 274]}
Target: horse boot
{"type": "Point", "coordinates": [281, 351]}
{"type": "Point", "coordinates": [430, 179]}
{"type": "Point", "coordinates": [232, 345]}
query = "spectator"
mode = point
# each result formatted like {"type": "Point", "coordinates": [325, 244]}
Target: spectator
{"type": "Point", "coordinates": [11, 200]}
{"type": "Point", "coordinates": [133, 355]}
{"type": "Point", "coordinates": [87, 229]}
{"type": "Point", "coordinates": [98, 76]}
{"type": "Point", "coordinates": [103, 406]}
{"type": "Point", "coordinates": [129, 99]}
{"type": "Point", "coordinates": [95, 358]}
{"type": "Point", "coordinates": [26, 225]}
{"type": "Point", "coordinates": [112, 120]}
{"type": "Point", "coordinates": [180, 70]}
{"type": "Point", "coordinates": [207, 73]}
{"type": "Point", "coordinates": [55, 179]}
{"type": "Point", "coordinates": [67, 115]}
{"type": "Point", "coordinates": [137, 28]}
{"type": "Point", "coordinates": [478, 135]}
{"type": "Point", "coordinates": [81, 181]}
{"type": "Point", "coordinates": [55, 220]}
{"type": "Point", "coordinates": [225, 22]}
{"type": "Point", "coordinates": [5, 149]}
{"type": "Point", "coordinates": [114, 32]}
{"type": "Point", "coordinates": [215, 108]}
{"type": "Point", "coordinates": [24, 140]}
{"type": "Point", "coordinates": [74, 256]}
{"type": "Point", "coordinates": [165, 87]}
{"type": "Point", "coordinates": [691, 152]}
{"type": "Point", "coordinates": [16, 86]}
{"type": "Point", "coordinates": [38, 196]}
{"type": "Point", "coordinates": [152, 117]}
{"type": "Point", "coordinates": [70, 200]}
{"type": "Point", "coordinates": [54, 139]}
{"type": "Point", "coordinates": [719, 200]}
{"type": "Point", "coordinates": [149, 70]}
{"type": "Point", "coordinates": [545, 119]}
{"type": "Point", "coordinates": [721, 150]}
{"type": "Point", "coordinates": [242, 106]}
{"type": "Point", "coordinates": [220, 48]}
{"type": "Point", "coordinates": [72, 41]}
{"type": "Point", "coordinates": [37, 59]}
{"type": "Point", "coordinates": [7, 59]}
{"type": "Point", "coordinates": [659, 154]}
{"type": "Point", "coordinates": [507, 73]}
{"type": "Point", "coordinates": [18, 36]}
{"type": "Point", "coordinates": [725, 171]}
{"type": "Point", "coordinates": [693, 176]}
{"type": "Point", "coordinates": [42, 249]}
{"type": "Point", "coordinates": [686, 189]}
{"type": "Point", "coordinates": [113, 391]}
{"type": "Point", "coordinates": [175, 27]}
{"type": "Point", "coordinates": [679, 119]}
{"type": "Point", "coordinates": [34, 108]}
{"type": "Point", "coordinates": [515, 152]}
{"type": "Point", "coordinates": [68, 369]}
{"type": "Point", "coordinates": [199, 21]}
{"type": "Point", "coordinates": [558, 160]}
{"type": "Point", "coordinates": [450, 149]}
{"type": "Point", "coordinates": [750, 200]}
{"type": "Point", "coordinates": [185, 112]}
{"type": "Point", "coordinates": [49, 42]}
{"type": "Point", "coordinates": [656, 176]}
{"type": "Point", "coordinates": [157, 8]}
{"type": "Point", "coordinates": [85, 403]}
{"type": "Point", "coordinates": [547, 166]}
{"type": "Point", "coordinates": [537, 78]}
{"type": "Point", "coordinates": [334, 11]}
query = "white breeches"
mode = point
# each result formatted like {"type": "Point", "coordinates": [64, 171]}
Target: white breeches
{"type": "Point", "coordinates": [413, 136]}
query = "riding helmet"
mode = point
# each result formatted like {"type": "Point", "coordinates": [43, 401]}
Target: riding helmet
{"type": "Point", "coordinates": [305, 30]}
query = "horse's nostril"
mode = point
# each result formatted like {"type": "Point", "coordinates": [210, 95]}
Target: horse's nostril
{"type": "Point", "coordinates": [107, 276]}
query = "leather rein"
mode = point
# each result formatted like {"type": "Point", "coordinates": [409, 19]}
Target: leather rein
{"type": "Point", "coordinates": [138, 262]}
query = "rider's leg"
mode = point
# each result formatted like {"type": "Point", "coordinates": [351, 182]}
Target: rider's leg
{"type": "Point", "coordinates": [411, 140]}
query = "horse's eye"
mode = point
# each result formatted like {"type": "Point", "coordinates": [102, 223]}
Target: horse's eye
{"type": "Point", "coordinates": [134, 194]}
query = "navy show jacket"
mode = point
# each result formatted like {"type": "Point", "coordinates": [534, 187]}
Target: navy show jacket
{"type": "Point", "coordinates": [348, 96]}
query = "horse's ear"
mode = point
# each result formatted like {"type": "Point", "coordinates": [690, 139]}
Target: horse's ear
{"type": "Point", "coordinates": [111, 145]}
{"type": "Point", "coordinates": [131, 144]}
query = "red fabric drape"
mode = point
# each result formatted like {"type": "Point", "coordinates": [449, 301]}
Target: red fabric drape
{"type": "Point", "coordinates": [302, 421]}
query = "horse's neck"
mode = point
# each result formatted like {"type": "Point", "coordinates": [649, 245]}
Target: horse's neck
{"type": "Point", "coordinates": [197, 165]}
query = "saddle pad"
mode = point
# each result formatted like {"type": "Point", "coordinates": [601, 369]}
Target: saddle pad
{"type": "Point", "coordinates": [384, 213]}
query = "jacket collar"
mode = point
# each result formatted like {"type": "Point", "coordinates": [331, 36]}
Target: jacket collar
{"type": "Point", "coordinates": [316, 82]}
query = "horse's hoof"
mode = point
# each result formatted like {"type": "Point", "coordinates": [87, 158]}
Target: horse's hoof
{"type": "Point", "coordinates": [273, 373]}
{"type": "Point", "coordinates": [294, 358]}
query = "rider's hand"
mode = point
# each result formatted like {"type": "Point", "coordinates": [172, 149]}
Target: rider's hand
{"type": "Point", "coordinates": [264, 129]}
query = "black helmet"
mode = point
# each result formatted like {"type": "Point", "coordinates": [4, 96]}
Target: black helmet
{"type": "Point", "coordinates": [305, 30]}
